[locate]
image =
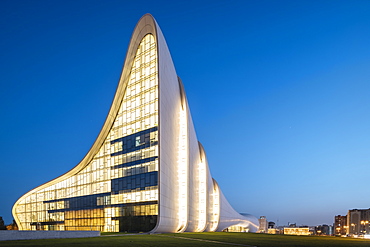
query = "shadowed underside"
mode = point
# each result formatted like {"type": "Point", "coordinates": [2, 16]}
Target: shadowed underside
{"type": "Point", "coordinates": [146, 170]}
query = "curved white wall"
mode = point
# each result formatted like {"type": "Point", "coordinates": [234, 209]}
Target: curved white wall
{"type": "Point", "coordinates": [208, 209]}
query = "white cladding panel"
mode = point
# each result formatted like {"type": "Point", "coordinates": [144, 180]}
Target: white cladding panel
{"type": "Point", "coordinates": [194, 160]}
{"type": "Point", "coordinates": [169, 107]}
{"type": "Point", "coordinates": [229, 217]}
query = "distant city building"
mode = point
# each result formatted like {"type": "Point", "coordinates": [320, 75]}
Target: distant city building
{"type": "Point", "coordinates": [297, 231]}
{"type": "Point", "coordinates": [358, 221]}
{"type": "Point", "coordinates": [340, 225]}
{"type": "Point", "coordinates": [273, 231]}
{"type": "Point", "coordinates": [331, 230]}
{"type": "Point", "coordinates": [263, 224]}
{"type": "Point", "coordinates": [12, 226]}
{"type": "Point", "coordinates": [2, 224]}
{"type": "Point", "coordinates": [271, 224]}
{"type": "Point", "coordinates": [324, 230]}
{"type": "Point", "coordinates": [236, 229]}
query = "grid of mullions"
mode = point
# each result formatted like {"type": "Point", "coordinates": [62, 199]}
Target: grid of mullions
{"type": "Point", "coordinates": [138, 111]}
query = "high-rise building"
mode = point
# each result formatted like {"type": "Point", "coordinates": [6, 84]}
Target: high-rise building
{"type": "Point", "coordinates": [146, 171]}
{"type": "Point", "coordinates": [358, 221]}
{"type": "Point", "coordinates": [340, 225]}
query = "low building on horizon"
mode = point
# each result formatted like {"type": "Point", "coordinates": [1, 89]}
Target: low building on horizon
{"type": "Point", "coordinates": [273, 231]}
{"type": "Point", "coordinates": [297, 231]}
{"type": "Point", "coordinates": [324, 230]}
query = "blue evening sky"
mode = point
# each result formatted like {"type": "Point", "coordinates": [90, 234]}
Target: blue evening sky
{"type": "Point", "coordinates": [279, 93]}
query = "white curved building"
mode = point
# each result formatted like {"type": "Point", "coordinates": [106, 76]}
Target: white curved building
{"type": "Point", "coordinates": [146, 170]}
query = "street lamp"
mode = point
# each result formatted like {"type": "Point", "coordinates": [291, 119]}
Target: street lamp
{"type": "Point", "coordinates": [363, 225]}
{"type": "Point", "coordinates": [346, 229]}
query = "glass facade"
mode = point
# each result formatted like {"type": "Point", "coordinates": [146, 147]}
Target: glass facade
{"type": "Point", "coordinates": [118, 189]}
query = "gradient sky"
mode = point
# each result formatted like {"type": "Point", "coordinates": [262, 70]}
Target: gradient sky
{"type": "Point", "coordinates": [279, 93]}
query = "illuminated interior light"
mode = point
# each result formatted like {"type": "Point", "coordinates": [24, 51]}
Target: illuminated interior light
{"type": "Point", "coordinates": [94, 176]}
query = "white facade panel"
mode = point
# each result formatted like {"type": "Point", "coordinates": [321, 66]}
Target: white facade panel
{"type": "Point", "coordinates": [229, 217]}
{"type": "Point", "coordinates": [169, 114]}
